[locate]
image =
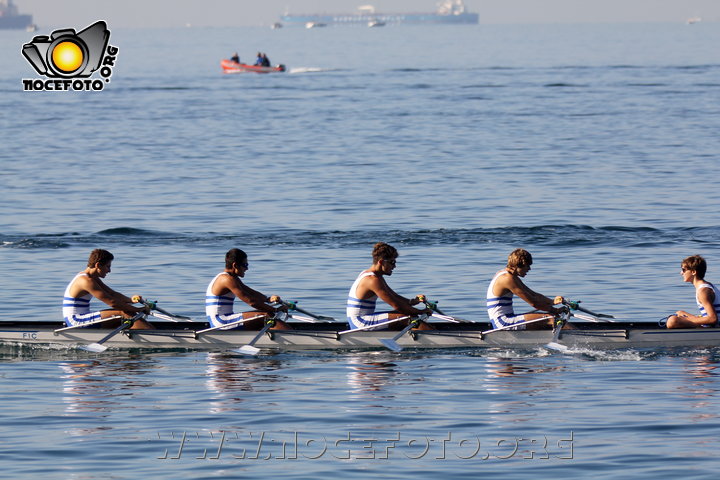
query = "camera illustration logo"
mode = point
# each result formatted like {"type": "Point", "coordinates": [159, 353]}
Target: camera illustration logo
{"type": "Point", "coordinates": [70, 57]}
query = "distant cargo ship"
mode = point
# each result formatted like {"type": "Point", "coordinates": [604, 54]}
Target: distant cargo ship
{"type": "Point", "coordinates": [450, 12]}
{"type": "Point", "coordinates": [11, 19]}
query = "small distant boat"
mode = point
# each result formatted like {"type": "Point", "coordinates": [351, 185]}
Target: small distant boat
{"type": "Point", "coordinates": [692, 20]}
{"type": "Point", "coordinates": [228, 66]}
{"type": "Point", "coordinates": [276, 25]}
{"type": "Point", "coordinates": [315, 25]}
{"type": "Point", "coordinates": [31, 28]}
{"type": "Point", "coordinates": [375, 23]}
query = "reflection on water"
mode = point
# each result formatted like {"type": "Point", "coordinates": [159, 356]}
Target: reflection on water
{"type": "Point", "coordinates": [519, 384]}
{"type": "Point", "coordinates": [368, 379]}
{"type": "Point", "coordinates": [103, 387]}
{"type": "Point", "coordinates": [700, 386]}
{"type": "Point", "coordinates": [227, 376]}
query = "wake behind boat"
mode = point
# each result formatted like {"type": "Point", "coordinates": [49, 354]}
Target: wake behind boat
{"type": "Point", "coordinates": [335, 336]}
{"type": "Point", "coordinates": [229, 66]}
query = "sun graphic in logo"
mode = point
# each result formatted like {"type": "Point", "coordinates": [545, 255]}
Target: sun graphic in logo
{"type": "Point", "coordinates": [67, 56]}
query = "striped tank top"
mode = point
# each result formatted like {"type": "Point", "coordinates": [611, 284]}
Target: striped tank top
{"type": "Point", "coordinates": [218, 304]}
{"type": "Point", "coordinates": [716, 301]}
{"type": "Point", "coordinates": [357, 307]}
{"type": "Point", "coordinates": [75, 305]}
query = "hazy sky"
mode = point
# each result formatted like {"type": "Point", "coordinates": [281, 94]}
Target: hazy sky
{"type": "Point", "coordinates": [165, 13]}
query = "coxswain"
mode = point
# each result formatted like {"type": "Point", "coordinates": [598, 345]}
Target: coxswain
{"type": "Point", "coordinates": [707, 296]}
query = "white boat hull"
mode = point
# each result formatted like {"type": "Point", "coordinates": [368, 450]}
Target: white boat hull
{"type": "Point", "coordinates": [327, 337]}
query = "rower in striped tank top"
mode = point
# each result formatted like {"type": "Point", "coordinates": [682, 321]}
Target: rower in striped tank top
{"type": "Point", "coordinates": [506, 284]}
{"type": "Point", "coordinates": [226, 286]}
{"type": "Point", "coordinates": [88, 284]}
{"type": "Point", "coordinates": [371, 285]}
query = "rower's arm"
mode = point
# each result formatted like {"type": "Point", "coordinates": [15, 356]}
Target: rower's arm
{"type": "Point", "coordinates": [250, 296]}
{"type": "Point", "coordinates": [98, 289]}
{"type": "Point", "coordinates": [400, 304]}
{"type": "Point", "coordinates": [533, 298]}
{"type": "Point", "coordinates": [706, 297]}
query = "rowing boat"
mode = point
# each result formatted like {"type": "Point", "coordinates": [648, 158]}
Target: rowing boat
{"type": "Point", "coordinates": [335, 336]}
{"type": "Point", "coordinates": [228, 66]}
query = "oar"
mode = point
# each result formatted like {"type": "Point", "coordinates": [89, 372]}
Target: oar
{"type": "Point", "coordinates": [230, 325]}
{"type": "Point", "coordinates": [392, 344]}
{"type": "Point", "coordinates": [508, 327]}
{"type": "Point", "coordinates": [554, 345]}
{"type": "Point", "coordinates": [250, 348]}
{"type": "Point", "coordinates": [370, 327]}
{"type": "Point", "coordinates": [589, 318]}
{"type": "Point", "coordinates": [302, 318]}
{"type": "Point", "coordinates": [293, 306]}
{"type": "Point", "coordinates": [87, 324]}
{"type": "Point", "coordinates": [575, 306]}
{"type": "Point", "coordinates": [164, 314]}
{"type": "Point", "coordinates": [99, 347]}
{"type": "Point", "coordinates": [439, 313]}
{"type": "Point", "coordinates": [447, 318]}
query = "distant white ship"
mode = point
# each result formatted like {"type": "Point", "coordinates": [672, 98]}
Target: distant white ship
{"type": "Point", "coordinates": [452, 12]}
{"type": "Point", "coordinates": [692, 20]}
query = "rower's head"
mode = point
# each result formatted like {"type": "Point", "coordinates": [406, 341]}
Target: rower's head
{"type": "Point", "coordinates": [385, 257]}
{"type": "Point", "coordinates": [236, 261]}
{"type": "Point", "coordinates": [519, 262]}
{"type": "Point", "coordinates": [101, 260]}
{"type": "Point", "coordinates": [694, 264]}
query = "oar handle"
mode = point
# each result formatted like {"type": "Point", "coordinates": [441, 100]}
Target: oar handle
{"type": "Point", "coordinates": [292, 305]}
{"type": "Point", "coordinates": [575, 305]}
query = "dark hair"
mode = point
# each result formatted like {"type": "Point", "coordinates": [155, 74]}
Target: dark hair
{"type": "Point", "coordinates": [234, 255]}
{"type": "Point", "coordinates": [103, 257]}
{"type": "Point", "coordinates": [383, 251]}
{"type": "Point", "coordinates": [519, 258]}
{"type": "Point", "coordinates": [697, 264]}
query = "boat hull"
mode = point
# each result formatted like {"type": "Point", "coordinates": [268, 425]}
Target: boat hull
{"type": "Point", "coordinates": [228, 66]}
{"type": "Point", "coordinates": [15, 22]}
{"type": "Point", "coordinates": [325, 336]}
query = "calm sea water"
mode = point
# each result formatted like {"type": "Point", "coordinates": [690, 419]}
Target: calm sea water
{"type": "Point", "coordinates": [594, 147]}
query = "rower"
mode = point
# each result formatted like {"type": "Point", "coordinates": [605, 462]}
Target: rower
{"type": "Point", "coordinates": [707, 296]}
{"type": "Point", "coordinates": [88, 284]}
{"type": "Point", "coordinates": [505, 284]}
{"type": "Point", "coordinates": [227, 285]}
{"type": "Point", "coordinates": [371, 284]}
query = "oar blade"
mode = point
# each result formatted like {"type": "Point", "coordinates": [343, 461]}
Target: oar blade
{"type": "Point", "coordinates": [247, 350]}
{"type": "Point", "coordinates": [93, 347]}
{"type": "Point", "coordinates": [557, 347]}
{"type": "Point", "coordinates": [391, 344]}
